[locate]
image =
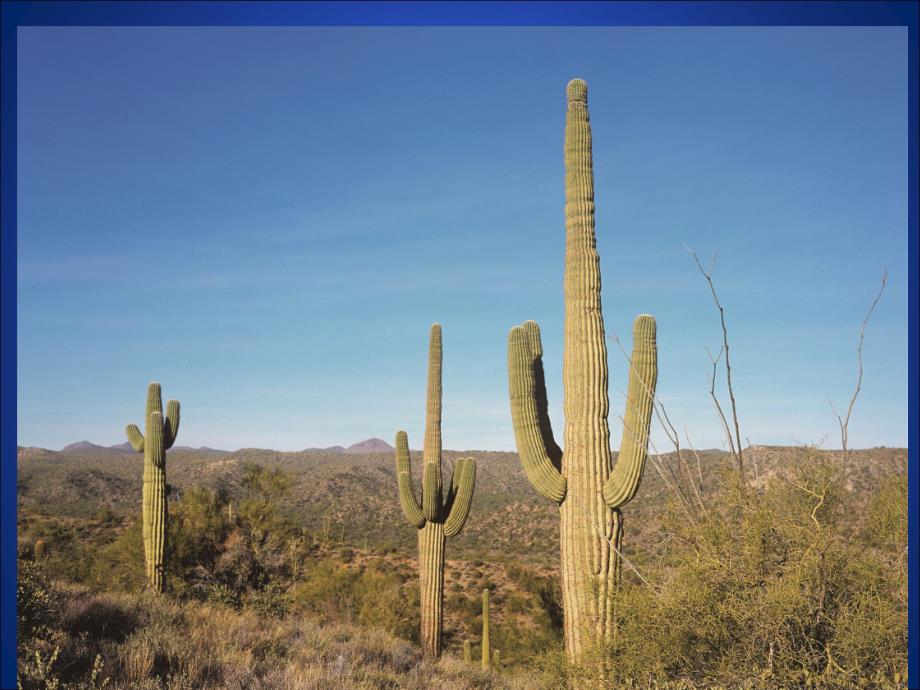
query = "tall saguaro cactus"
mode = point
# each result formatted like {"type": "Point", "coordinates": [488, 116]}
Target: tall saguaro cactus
{"type": "Point", "coordinates": [590, 491]}
{"type": "Point", "coordinates": [440, 514]}
{"type": "Point", "coordinates": [159, 437]}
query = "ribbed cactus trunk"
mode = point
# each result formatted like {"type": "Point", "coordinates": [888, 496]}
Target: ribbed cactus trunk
{"type": "Point", "coordinates": [431, 542]}
{"type": "Point", "coordinates": [589, 492]}
{"type": "Point", "coordinates": [586, 522]}
{"type": "Point", "coordinates": [440, 515]}
{"type": "Point", "coordinates": [159, 437]}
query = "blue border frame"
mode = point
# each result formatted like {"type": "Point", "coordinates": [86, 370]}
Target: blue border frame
{"type": "Point", "coordinates": [419, 13]}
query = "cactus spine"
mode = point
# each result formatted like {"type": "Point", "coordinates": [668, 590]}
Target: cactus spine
{"type": "Point", "coordinates": [159, 437]}
{"type": "Point", "coordinates": [441, 514]}
{"type": "Point", "coordinates": [590, 494]}
{"type": "Point", "coordinates": [486, 633]}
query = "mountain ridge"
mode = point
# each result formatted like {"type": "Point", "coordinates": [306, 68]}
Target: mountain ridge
{"type": "Point", "coordinates": [368, 445]}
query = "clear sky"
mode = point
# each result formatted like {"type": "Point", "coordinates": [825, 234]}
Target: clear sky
{"type": "Point", "coordinates": [268, 220]}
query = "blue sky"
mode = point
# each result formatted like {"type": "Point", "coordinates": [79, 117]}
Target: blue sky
{"type": "Point", "coordinates": [268, 220]}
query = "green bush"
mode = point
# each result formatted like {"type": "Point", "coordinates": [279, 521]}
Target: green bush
{"type": "Point", "coordinates": [271, 601]}
{"type": "Point", "coordinates": [222, 595]}
{"type": "Point", "coordinates": [770, 585]}
{"type": "Point", "coordinates": [37, 601]}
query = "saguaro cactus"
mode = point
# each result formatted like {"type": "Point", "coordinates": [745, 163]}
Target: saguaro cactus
{"type": "Point", "coordinates": [440, 514]}
{"type": "Point", "coordinates": [486, 632]}
{"type": "Point", "coordinates": [589, 491]}
{"type": "Point", "coordinates": [159, 437]}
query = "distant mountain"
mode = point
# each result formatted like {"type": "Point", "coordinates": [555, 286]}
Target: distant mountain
{"type": "Point", "coordinates": [95, 448]}
{"type": "Point", "coordinates": [88, 447]}
{"type": "Point", "coordinates": [200, 449]}
{"type": "Point", "coordinates": [371, 445]}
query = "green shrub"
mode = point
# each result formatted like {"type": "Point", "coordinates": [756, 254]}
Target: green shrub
{"type": "Point", "coordinates": [37, 601]}
{"type": "Point", "coordinates": [222, 595]}
{"type": "Point", "coordinates": [271, 601]}
{"type": "Point", "coordinates": [771, 586]}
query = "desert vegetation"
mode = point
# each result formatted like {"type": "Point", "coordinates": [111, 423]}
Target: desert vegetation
{"type": "Point", "coordinates": [764, 592]}
{"type": "Point", "coordinates": [580, 480]}
{"type": "Point", "coordinates": [758, 568]}
{"type": "Point", "coordinates": [439, 516]}
{"type": "Point", "coordinates": [160, 437]}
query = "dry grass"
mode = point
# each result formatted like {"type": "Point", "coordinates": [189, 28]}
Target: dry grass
{"type": "Point", "coordinates": [156, 643]}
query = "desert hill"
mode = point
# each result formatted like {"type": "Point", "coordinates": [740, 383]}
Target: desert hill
{"type": "Point", "coordinates": [352, 494]}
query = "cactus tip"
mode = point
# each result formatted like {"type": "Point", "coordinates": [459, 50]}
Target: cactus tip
{"type": "Point", "coordinates": [577, 90]}
{"type": "Point", "coordinates": [645, 323]}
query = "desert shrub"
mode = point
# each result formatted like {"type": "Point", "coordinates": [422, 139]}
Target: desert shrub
{"type": "Point", "coordinates": [222, 595]}
{"type": "Point", "coordinates": [120, 566]}
{"type": "Point", "coordinates": [384, 602]}
{"type": "Point", "coordinates": [769, 585]}
{"type": "Point", "coordinates": [375, 597]}
{"type": "Point", "coordinates": [198, 527]}
{"type": "Point", "coordinates": [886, 516]}
{"type": "Point", "coordinates": [270, 601]}
{"type": "Point", "coordinates": [37, 601]}
{"type": "Point", "coordinates": [68, 552]}
{"type": "Point", "coordinates": [328, 591]}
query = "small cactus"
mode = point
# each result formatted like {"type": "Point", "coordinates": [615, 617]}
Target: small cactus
{"type": "Point", "coordinates": [467, 652]}
{"type": "Point", "coordinates": [486, 641]}
{"type": "Point", "coordinates": [497, 659]}
{"type": "Point", "coordinates": [39, 550]}
{"type": "Point", "coordinates": [160, 436]}
{"type": "Point", "coordinates": [441, 514]}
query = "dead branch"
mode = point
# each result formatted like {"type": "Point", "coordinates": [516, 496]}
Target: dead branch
{"type": "Point", "coordinates": [844, 421]}
{"type": "Point", "coordinates": [736, 442]}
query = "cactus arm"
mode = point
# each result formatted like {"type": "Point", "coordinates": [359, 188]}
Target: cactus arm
{"type": "Point", "coordinates": [532, 331]}
{"type": "Point", "coordinates": [171, 424]}
{"type": "Point", "coordinates": [135, 437]}
{"type": "Point", "coordinates": [529, 435]}
{"type": "Point", "coordinates": [464, 479]}
{"type": "Point", "coordinates": [431, 474]}
{"type": "Point", "coordinates": [410, 506]}
{"type": "Point", "coordinates": [623, 482]}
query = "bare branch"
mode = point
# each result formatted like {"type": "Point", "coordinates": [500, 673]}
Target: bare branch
{"type": "Point", "coordinates": [844, 421]}
{"type": "Point", "coordinates": [737, 451]}
{"type": "Point", "coordinates": [662, 414]}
